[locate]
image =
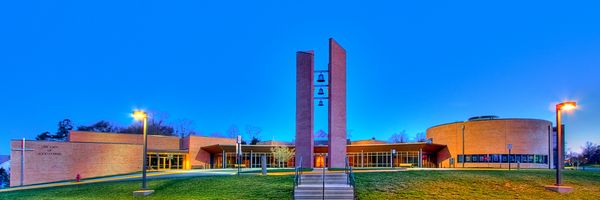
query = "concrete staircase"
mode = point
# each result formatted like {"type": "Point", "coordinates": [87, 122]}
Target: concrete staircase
{"type": "Point", "coordinates": [336, 187]}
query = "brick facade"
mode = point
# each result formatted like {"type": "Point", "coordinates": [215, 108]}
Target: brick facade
{"type": "Point", "coordinates": [305, 106]}
{"type": "Point", "coordinates": [199, 158]}
{"type": "Point", "coordinates": [527, 136]}
{"type": "Point", "coordinates": [337, 105]}
{"type": "Point", "coordinates": [155, 142]}
{"type": "Point", "coordinates": [57, 161]}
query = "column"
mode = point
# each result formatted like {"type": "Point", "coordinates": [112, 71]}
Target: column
{"type": "Point", "coordinates": [224, 159]}
{"type": "Point", "coordinates": [337, 104]}
{"type": "Point", "coordinates": [305, 107]}
{"type": "Point", "coordinates": [420, 158]}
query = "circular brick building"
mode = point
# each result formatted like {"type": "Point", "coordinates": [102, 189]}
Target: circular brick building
{"type": "Point", "coordinates": [486, 140]}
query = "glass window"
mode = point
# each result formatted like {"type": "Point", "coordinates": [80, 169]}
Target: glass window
{"type": "Point", "coordinates": [504, 158]}
{"type": "Point", "coordinates": [460, 158]}
{"type": "Point", "coordinates": [475, 158]}
{"type": "Point", "coordinates": [495, 157]}
{"type": "Point", "coordinates": [467, 158]}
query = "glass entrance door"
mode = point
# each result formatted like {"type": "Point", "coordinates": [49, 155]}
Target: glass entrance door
{"type": "Point", "coordinates": [162, 164]}
{"type": "Point", "coordinates": [165, 161]}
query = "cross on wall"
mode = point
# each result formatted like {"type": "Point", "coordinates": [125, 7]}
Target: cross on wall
{"type": "Point", "coordinates": [22, 149]}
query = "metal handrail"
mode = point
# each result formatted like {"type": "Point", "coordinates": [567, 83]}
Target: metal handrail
{"type": "Point", "coordinates": [297, 177]}
{"type": "Point", "coordinates": [350, 177]}
{"type": "Point", "coordinates": [323, 176]}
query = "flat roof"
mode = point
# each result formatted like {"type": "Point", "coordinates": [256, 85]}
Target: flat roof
{"type": "Point", "coordinates": [218, 148]}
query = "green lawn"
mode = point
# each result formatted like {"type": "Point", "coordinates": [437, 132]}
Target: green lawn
{"type": "Point", "coordinates": [523, 184]}
{"type": "Point", "coordinates": [476, 184]}
{"type": "Point", "coordinates": [219, 187]}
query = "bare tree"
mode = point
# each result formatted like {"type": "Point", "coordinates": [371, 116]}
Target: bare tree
{"type": "Point", "coordinates": [253, 132]}
{"type": "Point", "coordinates": [184, 127]}
{"type": "Point", "coordinates": [233, 131]}
{"type": "Point", "coordinates": [400, 137]}
{"type": "Point", "coordinates": [421, 137]}
{"type": "Point", "coordinates": [591, 152]}
{"type": "Point", "coordinates": [216, 134]}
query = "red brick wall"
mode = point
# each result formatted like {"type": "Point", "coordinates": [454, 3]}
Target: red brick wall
{"type": "Point", "coordinates": [528, 136]}
{"type": "Point", "coordinates": [305, 65]}
{"type": "Point", "coordinates": [154, 141]}
{"type": "Point", "coordinates": [57, 161]}
{"type": "Point", "coordinates": [337, 105]}
{"type": "Point", "coordinates": [199, 158]}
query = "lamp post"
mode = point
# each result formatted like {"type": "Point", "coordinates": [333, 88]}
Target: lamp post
{"type": "Point", "coordinates": [140, 115]}
{"type": "Point", "coordinates": [558, 187]}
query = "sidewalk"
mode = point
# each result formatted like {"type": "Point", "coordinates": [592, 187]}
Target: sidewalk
{"type": "Point", "coordinates": [136, 176]}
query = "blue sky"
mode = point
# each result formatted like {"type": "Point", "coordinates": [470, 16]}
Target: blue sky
{"type": "Point", "coordinates": [410, 65]}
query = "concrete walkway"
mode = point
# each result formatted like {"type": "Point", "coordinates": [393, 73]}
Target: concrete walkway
{"type": "Point", "coordinates": [136, 176]}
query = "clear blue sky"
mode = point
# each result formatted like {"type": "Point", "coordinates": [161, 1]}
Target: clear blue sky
{"type": "Point", "coordinates": [410, 65]}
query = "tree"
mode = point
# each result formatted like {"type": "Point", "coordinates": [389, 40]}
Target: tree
{"type": "Point", "coordinates": [400, 137]}
{"type": "Point", "coordinates": [100, 126]}
{"type": "Point", "coordinates": [254, 141]}
{"type": "Point", "coordinates": [421, 137]}
{"type": "Point", "coordinates": [44, 136]}
{"type": "Point", "coordinates": [591, 152]}
{"type": "Point", "coordinates": [64, 128]}
{"type": "Point", "coordinates": [282, 154]}
{"type": "Point", "coordinates": [216, 134]}
{"type": "Point", "coordinates": [156, 126]}
{"type": "Point", "coordinates": [254, 133]}
{"type": "Point", "coordinates": [233, 131]}
{"type": "Point", "coordinates": [4, 178]}
{"type": "Point", "coordinates": [184, 128]}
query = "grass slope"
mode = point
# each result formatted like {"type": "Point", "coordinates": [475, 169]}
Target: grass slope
{"type": "Point", "coordinates": [222, 187]}
{"type": "Point", "coordinates": [475, 184]}
{"type": "Point", "coordinates": [523, 184]}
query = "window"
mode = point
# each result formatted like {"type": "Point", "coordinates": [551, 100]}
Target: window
{"type": "Point", "coordinates": [468, 158]}
{"type": "Point", "coordinates": [495, 158]}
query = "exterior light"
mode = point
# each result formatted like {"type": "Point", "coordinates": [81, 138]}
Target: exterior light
{"type": "Point", "coordinates": [558, 187]}
{"type": "Point", "coordinates": [140, 115]}
{"type": "Point", "coordinates": [320, 102]}
{"type": "Point", "coordinates": [566, 106]}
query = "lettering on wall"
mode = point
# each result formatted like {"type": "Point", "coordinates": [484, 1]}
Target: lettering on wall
{"type": "Point", "coordinates": [49, 150]}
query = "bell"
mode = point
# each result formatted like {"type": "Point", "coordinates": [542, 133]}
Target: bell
{"type": "Point", "coordinates": [321, 78]}
{"type": "Point", "coordinates": [320, 102]}
{"type": "Point", "coordinates": [320, 91]}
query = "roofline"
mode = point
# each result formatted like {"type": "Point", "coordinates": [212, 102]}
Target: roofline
{"type": "Point", "coordinates": [149, 134]}
{"type": "Point", "coordinates": [459, 122]}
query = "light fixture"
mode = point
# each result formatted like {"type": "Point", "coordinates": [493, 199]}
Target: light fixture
{"type": "Point", "coordinates": [320, 102]}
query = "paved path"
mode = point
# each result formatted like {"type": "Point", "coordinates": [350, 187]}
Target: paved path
{"type": "Point", "coordinates": [136, 176]}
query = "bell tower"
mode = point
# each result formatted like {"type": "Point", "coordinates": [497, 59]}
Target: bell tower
{"type": "Point", "coordinates": [305, 104]}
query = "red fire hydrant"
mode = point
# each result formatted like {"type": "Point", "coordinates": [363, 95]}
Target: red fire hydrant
{"type": "Point", "coordinates": [78, 178]}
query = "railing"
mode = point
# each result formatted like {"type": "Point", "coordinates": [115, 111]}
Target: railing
{"type": "Point", "coordinates": [323, 176]}
{"type": "Point", "coordinates": [298, 174]}
{"type": "Point", "coordinates": [350, 177]}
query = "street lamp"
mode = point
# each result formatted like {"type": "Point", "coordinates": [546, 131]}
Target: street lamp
{"type": "Point", "coordinates": [140, 115]}
{"type": "Point", "coordinates": [558, 187]}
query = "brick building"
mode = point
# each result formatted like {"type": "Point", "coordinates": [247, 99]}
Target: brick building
{"type": "Point", "coordinates": [90, 154]}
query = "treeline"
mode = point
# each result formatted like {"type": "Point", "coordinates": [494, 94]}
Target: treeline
{"type": "Point", "coordinates": [156, 126]}
{"type": "Point", "coordinates": [590, 154]}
